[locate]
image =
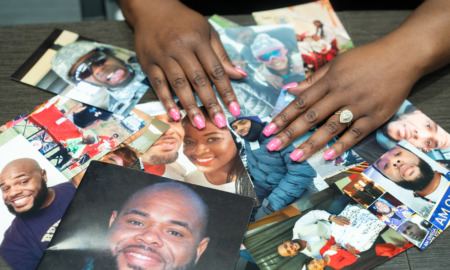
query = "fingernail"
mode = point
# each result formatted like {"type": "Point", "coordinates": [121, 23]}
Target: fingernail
{"type": "Point", "coordinates": [273, 144]}
{"type": "Point", "coordinates": [269, 129]}
{"type": "Point", "coordinates": [175, 114]}
{"type": "Point", "coordinates": [240, 70]}
{"type": "Point", "coordinates": [329, 154]}
{"type": "Point", "coordinates": [296, 154]}
{"type": "Point", "coordinates": [220, 120]}
{"type": "Point", "coordinates": [199, 122]}
{"type": "Point", "coordinates": [289, 85]}
{"type": "Point", "coordinates": [234, 108]}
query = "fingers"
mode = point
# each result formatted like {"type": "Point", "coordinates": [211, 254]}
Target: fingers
{"type": "Point", "coordinates": [233, 72]}
{"type": "Point", "coordinates": [219, 78]}
{"type": "Point", "coordinates": [298, 117]}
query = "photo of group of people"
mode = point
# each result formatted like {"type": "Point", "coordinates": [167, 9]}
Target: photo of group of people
{"type": "Point", "coordinates": [70, 133]}
{"type": "Point", "coordinates": [139, 220]}
{"type": "Point", "coordinates": [336, 232]}
{"type": "Point", "coordinates": [101, 75]}
{"type": "Point", "coordinates": [319, 32]}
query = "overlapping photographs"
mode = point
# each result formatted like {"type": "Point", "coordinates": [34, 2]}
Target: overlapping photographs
{"type": "Point", "coordinates": [101, 75]}
{"type": "Point", "coordinates": [70, 134]}
{"type": "Point", "coordinates": [419, 183]}
{"type": "Point", "coordinates": [335, 231]}
{"type": "Point", "coordinates": [111, 224]}
{"type": "Point", "coordinates": [411, 124]}
{"type": "Point", "coordinates": [319, 32]}
{"type": "Point", "coordinates": [208, 157]}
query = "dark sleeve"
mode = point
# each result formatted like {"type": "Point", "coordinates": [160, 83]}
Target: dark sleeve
{"type": "Point", "coordinates": [18, 248]}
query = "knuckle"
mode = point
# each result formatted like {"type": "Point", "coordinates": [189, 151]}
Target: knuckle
{"type": "Point", "coordinates": [166, 100]}
{"type": "Point", "coordinates": [356, 132]}
{"type": "Point", "coordinates": [210, 103]}
{"type": "Point", "coordinates": [281, 119]}
{"type": "Point", "coordinates": [218, 72]}
{"type": "Point", "coordinates": [310, 116]}
{"type": "Point", "coordinates": [157, 82]}
{"type": "Point", "coordinates": [179, 82]}
{"type": "Point", "coordinates": [199, 80]}
{"type": "Point", "coordinates": [331, 127]}
{"type": "Point", "coordinates": [312, 144]}
{"type": "Point", "coordinates": [342, 145]}
{"type": "Point", "coordinates": [299, 102]}
{"type": "Point", "coordinates": [191, 107]}
{"type": "Point", "coordinates": [289, 133]}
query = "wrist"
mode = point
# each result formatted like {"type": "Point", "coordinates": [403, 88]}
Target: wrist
{"type": "Point", "coordinates": [331, 217]}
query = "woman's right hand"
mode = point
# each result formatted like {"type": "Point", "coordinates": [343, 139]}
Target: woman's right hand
{"type": "Point", "coordinates": [177, 48]}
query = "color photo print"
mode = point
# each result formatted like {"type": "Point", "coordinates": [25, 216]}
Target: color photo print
{"type": "Point", "coordinates": [101, 75]}
{"type": "Point", "coordinates": [333, 232]}
{"type": "Point", "coordinates": [70, 134]}
{"type": "Point", "coordinates": [208, 157]}
{"type": "Point", "coordinates": [418, 182]}
{"type": "Point", "coordinates": [118, 213]}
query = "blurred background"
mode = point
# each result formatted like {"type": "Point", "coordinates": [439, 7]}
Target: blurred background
{"type": "Point", "coordinates": [52, 11]}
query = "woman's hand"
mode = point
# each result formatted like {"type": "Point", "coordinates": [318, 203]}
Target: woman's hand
{"type": "Point", "coordinates": [370, 81]}
{"type": "Point", "coordinates": [178, 48]}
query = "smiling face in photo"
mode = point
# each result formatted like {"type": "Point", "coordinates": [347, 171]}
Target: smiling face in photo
{"type": "Point", "coordinates": [210, 149]}
{"type": "Point", "coordinates": [23, 185]}
{"type": "Point", "coordinates": [158, 230]}
{"type": "Point", "coordinates": [419, 130]}
{"type": "Point", "coordinates": [165, 149]}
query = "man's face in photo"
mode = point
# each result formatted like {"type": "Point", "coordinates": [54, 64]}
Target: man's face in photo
{"type": "Point", "coordinates": [289, 248]}
{"type": "Point", "coordinates": [383, 208]}
{"type": "Point", "coordinates": [157, 230]}
{"type": "Point", "coordinates": [413, 231]}
{"type": "Point", "coordinates": [100, 68]}
{"type": "Point", "coordinates": [241, 127]}
{"type": "Point", "coordinates": [23, 185]}
{"type": "Point", "coordinates": [165, 149]}
{"type": "Point", "coordinates": [419, 130]}
{"type": "Point", "coordinates": [405, 168]}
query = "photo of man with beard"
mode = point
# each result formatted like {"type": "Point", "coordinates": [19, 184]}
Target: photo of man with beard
{"type": "Point", "coordinates": [38, 210]}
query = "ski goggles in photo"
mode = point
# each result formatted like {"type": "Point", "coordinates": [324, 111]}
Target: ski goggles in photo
{"type": "Point", "coordinates": [267, 56]}
{"type": "Point", "coordinates": [84, 70]}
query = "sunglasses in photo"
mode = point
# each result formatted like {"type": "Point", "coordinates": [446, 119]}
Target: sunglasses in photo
{"type": "Point", "coordinates": [266, 57]}
{"type": "Point", "coordinates": [84, 70]}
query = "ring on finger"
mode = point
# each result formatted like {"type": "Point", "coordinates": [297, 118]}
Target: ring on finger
{"type": "Point", "coordinates": [345, 117]}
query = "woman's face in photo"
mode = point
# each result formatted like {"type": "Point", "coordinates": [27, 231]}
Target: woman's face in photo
{"type": "Point", "coordinates": [279, 63]}
{"type": "Point", "coordinates": [209, 149]}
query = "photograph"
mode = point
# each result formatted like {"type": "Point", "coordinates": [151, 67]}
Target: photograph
{"type": "Point", "coordinates": [361, 189]}
{"type": "Point", "coordinates": [390, 210]}
{"type": "Point", "coordinates": [410, 124]}
{"type": "Point", "coordinates": [334, 233]}
{"type": "Point", "coordinates": [414, 179]}
{"type": "Point", "coordinates": [70, 133]}
{"type": "Point", "coordinates": [122, 218]}
{"type": "Point", "coordinates": [319, 33]}
{"type": "Point", "coordinates": [35, 195]}
{"type": "Point", "coordinates": [101, 75]}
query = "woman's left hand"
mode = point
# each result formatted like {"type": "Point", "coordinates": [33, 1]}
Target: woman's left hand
{"type": "Point", "coordinates": [362, 81]}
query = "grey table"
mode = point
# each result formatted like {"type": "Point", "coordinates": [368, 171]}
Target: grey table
{"type": "Point", "coordinates": [430, 94]}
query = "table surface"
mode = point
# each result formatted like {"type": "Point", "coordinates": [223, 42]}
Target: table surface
{"type": "Point", "coordinates": [429, 94]}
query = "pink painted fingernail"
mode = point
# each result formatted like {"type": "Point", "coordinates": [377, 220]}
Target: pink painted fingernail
{"type": "Point", "coordinates": [290, 85]}
{"type": "Point", "coordinates": [240, 70]}
{"type": "Point", "coordinates": [269, 129]}
{"type": "Point", "coordinates": [296, 154]}
{"type": "Point", "coordinates": [220, 120]}
{"type": "Point", "coordinates": [329, 154]}
{"type": "Point", "coordinates": [234, 108]}
{"type": "Point", "coordinates": [175, 114]}
{"type": "Point", "coordinates": [273, 144]}
{"type": "Point", "coordinates": [199, 122]}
